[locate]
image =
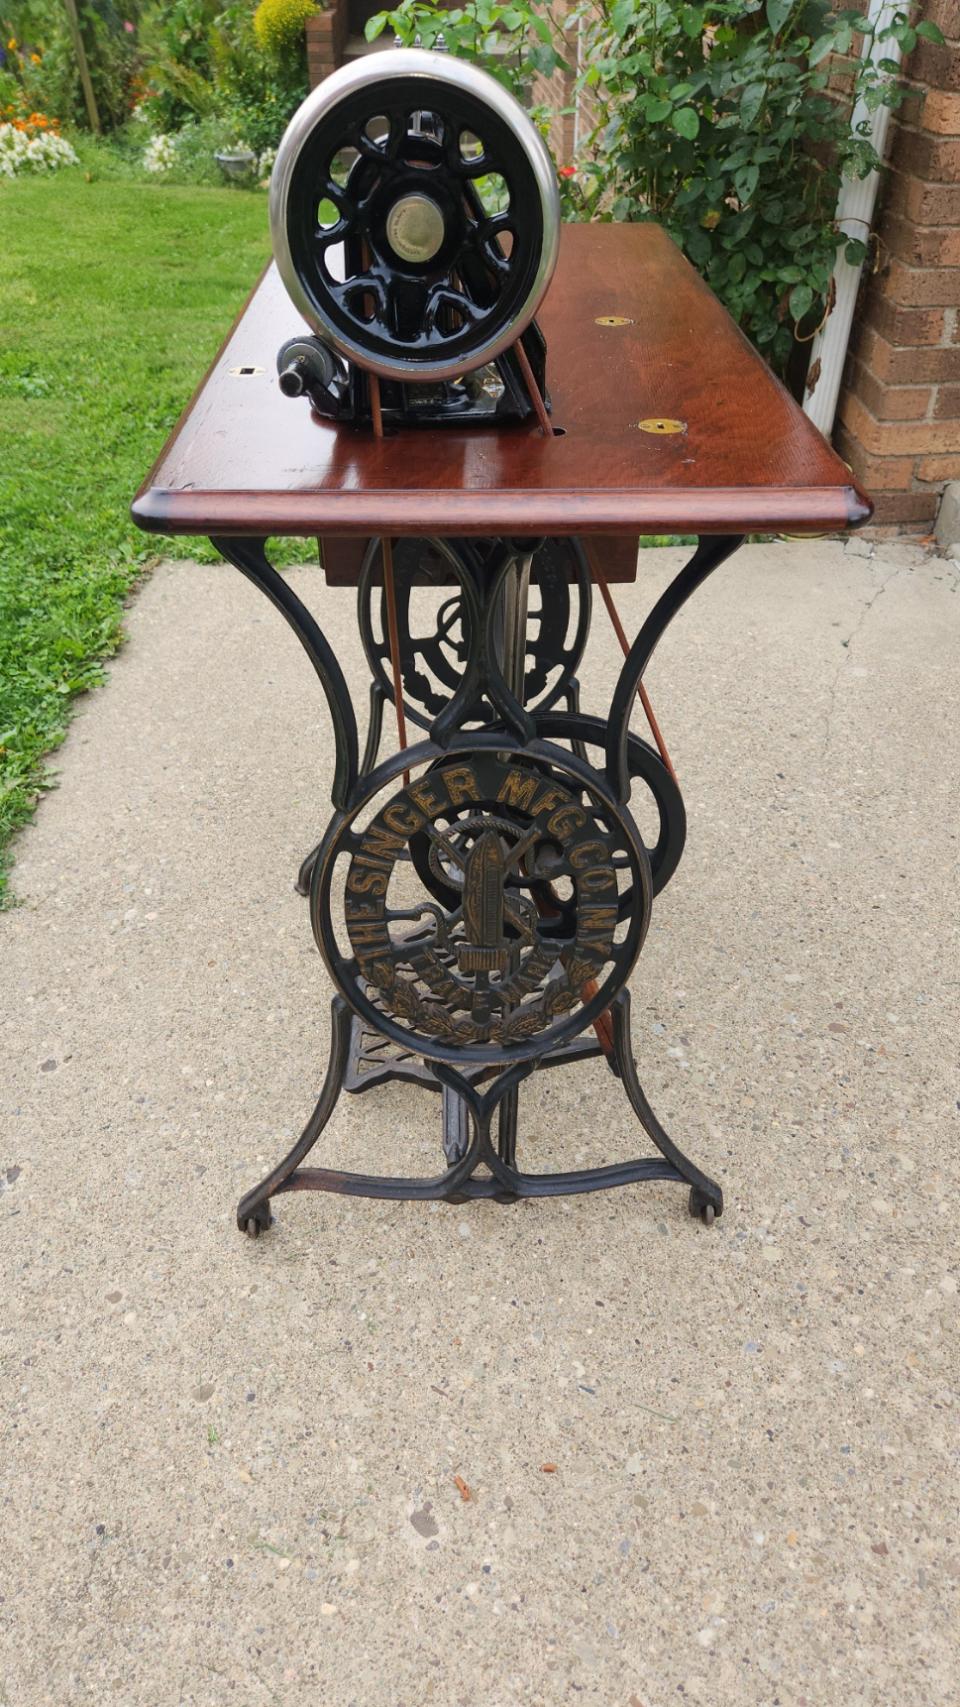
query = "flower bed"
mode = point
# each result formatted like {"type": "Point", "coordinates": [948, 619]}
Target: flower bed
{"type": "Point", "coordinates": [32, 143]}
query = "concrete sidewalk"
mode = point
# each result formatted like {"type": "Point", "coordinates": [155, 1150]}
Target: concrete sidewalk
{"type": "Point", "coordinates": [229, 1467]}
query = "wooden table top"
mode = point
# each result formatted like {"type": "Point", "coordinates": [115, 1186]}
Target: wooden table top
{"type": "Point", "coordinates": [244, 459]}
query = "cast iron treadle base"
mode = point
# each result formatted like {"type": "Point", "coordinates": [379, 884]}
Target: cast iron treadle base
{"type": "Point", "coordinates": [470, 1120]}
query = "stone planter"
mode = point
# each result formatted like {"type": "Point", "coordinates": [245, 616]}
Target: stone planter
{"type": "Point", "coordinates": [236, 164]}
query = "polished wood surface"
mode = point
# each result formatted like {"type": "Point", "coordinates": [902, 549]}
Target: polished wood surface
{"type": "Point", "coordinates": [244, 459]}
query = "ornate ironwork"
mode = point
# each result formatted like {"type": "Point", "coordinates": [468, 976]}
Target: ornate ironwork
{"type": "Point", "coordinates": [433, 641]}
{"type": "Point", "coordinates": [480, 898]}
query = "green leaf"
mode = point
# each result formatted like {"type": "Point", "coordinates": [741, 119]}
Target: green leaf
{"type": "Point", "coordinates": [737, 267]}
{"type": "Point", "coordinates": [691, 21]}
{"type": "Point", "coordinates": [750, 103]}
{"type": "Point", "coordinates": [698, 246]}
{"type": "Point", "coordinates": [931, 32]}
{"type": "Point", "coordinates": [375, 26]}
{"type": "Point", "coordinates": [656, 108]}
{"type": "Point", "coordinates": [778, 11]}
{"type": "Point", "coordinates": [821, 47]}
{"type": "Point", "coordinates": [801, 301]}
{"type": "Point", "coordinates": [745, 182]}
{"type": "Point", "coordinates": [686, 122]}
{"type": "Point", "coordinates": [622, 16]}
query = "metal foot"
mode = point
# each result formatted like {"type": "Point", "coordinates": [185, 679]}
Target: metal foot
{"type": "Point", "coordinates": [253, 1210]}
{"type": "Point", "coordinates": [259, 1221]}
{"type": "Point", "coordinates": [704, 1206]}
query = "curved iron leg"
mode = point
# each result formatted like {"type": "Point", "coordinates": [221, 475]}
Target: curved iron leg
{"type": "Point", "coordinates": [710, 553]}
{"type": "Point", "coordinates": [249, 556]}
{"type": "Point", "coordinates": [704, 1191]}
{"type": "Point", "coordinates": [374, 731]}
{"type": "Point", "coordinates": [255, 1206]}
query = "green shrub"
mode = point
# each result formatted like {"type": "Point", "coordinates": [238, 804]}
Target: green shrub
{"type": "Point", "coordinates": [727, 122]}
{"type": "Point", "coordinates": [513, 41]}
{"type": "Point", "coordinates": [278, 25]}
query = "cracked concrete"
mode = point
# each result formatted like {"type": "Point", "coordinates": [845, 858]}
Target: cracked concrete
{"type": "Point", "coordinates": [572, 1450]}
{"type": "Point", "coordinates": [886, 576]}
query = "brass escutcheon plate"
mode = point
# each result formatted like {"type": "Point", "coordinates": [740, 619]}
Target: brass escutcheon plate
{"type": "Point", "coordinates": [613, 320]}
{"type": "Point", "coordinates": [661, 424]}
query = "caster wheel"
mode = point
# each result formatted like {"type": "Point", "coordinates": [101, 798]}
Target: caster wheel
{"type": "Point", "coordinates": [702, 1206]}
{"type": "Point", "coordinates": [258, 1222]}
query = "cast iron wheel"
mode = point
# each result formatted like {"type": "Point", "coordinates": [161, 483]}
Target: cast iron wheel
{"type": "Point", "coordinates": [433, 663]}
{"type": "Point", "coordinates": [441, 194]}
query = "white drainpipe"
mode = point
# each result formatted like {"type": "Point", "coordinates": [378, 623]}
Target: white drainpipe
{"type": "Point", "coordinates": [855, 207]}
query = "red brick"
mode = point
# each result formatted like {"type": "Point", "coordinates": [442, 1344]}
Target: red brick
{"type": "Point", "coordinates": [916, 507]}
{"type": "Point", "coordinates": [930, 366]}
{"type": "Point", "coordinates": [876, 473]}
{"type": "Point", "coordinates": [910, 111]}
{"type": "Point", "coordinates": [945, 14]}
{"type": "Point", "coordinates": [934, 157]}
{"type": "Point", "coordinates": [938, 468]}
{"type": "Point", "coordinates": [947, 405]}
{"type": "Point", "coordinates": [922, 287]}
{"type": "Point", "coordinates": [927, 204]}
{"type": "Point", "coordinates": [922, 245]}
{"type": "Point", "coordinates": [904, 327]}
{"type": "Point", "coordinates": [889, 402]}
{"type": "Point", "coordinates": [940, 113]}
{"type": "Point", "coordinates": [935, 64]}
{"type": "Point", "coordinates": [896, 438]}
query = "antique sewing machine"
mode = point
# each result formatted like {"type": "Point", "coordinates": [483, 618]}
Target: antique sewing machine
{"type": "Point", "coordinates": [479, 896]}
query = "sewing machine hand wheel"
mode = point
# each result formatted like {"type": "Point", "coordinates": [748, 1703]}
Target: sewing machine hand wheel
{"type": "Point", "coordinates": [428, 181]}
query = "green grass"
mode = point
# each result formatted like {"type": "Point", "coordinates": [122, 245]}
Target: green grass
{"type": "Point", "coordinates": [114, 297]}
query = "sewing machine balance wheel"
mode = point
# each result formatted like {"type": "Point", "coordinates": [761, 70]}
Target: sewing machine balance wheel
{"type": "Point", "coordinates": [415, 215]}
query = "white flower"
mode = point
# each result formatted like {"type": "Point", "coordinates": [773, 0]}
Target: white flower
{"type": "Point", "coordinates": [22, 153]}
{"type": "Point", "coordinates": [160, 154]}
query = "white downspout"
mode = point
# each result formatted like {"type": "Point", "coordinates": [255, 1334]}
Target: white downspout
{"type": "Point", "coordinates": [855, 207]}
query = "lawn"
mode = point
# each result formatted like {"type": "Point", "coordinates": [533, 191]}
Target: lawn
{"type": "Point", "coordinates": [114, 297]}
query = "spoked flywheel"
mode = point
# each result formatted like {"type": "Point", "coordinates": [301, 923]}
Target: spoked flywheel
{"type": "Point", "coordinates": [414, 214]}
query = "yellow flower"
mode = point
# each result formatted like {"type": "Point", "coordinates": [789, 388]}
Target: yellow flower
{"type": "Point", "coordinates": [12, 44]}
{"type": "Point", "coordinates": [34, 59]}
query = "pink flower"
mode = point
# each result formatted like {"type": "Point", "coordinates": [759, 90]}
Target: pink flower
{"type": "Point", "coordinates": [568, 171]}
{"type": "Point", "coordinates": [128, 26]}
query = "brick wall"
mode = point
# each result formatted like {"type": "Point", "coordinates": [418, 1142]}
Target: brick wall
{"type": "Point", "coordinates": [557, 93]}
{"type": "Point", "coordinates": [326, 38]}
{"type": "Point", "coordinates": [898, 421]}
